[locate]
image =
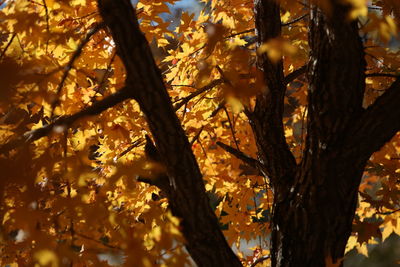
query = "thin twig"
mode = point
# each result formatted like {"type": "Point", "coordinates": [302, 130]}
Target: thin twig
{"type": "Point", "coordinates": [294, 21]}
{"type": "Point", "coordinates": [104, 78]}
{"type": "Point", "coordinates": [232, 128]}
{"type": "Point", "coordinates": [379, 74]}
{"type": "Point", "coordinates": [46, 11]}
{"type": "Point", "coordinates": [20, 45]}
{"type": "Point", "coordinates": [132, 146]}
{"type": "Point", "coordinates": [182, 85]}
{"type": "Point", "coordinates": [85, 16]}
{"type": "Point", "coordinates": [203, 149]}
{"type": "Point", "coordinates": [201, 90]}
{"type": "Point", "coordinates": [220, 106]}
{"type": "Point", "coordinates": [7, 46]}
{"type": "Point", "coordinates": [239, 33]}
{"type": "Point", "coordinates": [387, 212]}
{"type": "Point", "coordinates": [196, 137]}
{"type": "Point", "coordinates": [71, 62]}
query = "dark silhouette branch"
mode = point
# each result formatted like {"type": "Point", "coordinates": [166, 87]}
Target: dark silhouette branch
{"type": "Point", "coordinates": [7, 46]}
{"type": "Point", "coordinates": [46, 14]}
{"type": "Point", "coordinates": [378, 124]}
{"type": "Point", "coordinates": [295, 74]}
{"type": "Point", "coordinates": [379, 74]}
{"type": "Point", "coordinates": [231, 128]}
{"type": "Point", "coordinates": [239, 33]}
{"type": "Point", "coordinates": [387, 212]}
{"type": "Point", "coordinates": [201, 90]}
{"type": "Point", "coordinates": [66, 121]}
{"type": "Point", "coordinates": [218, 108]}
{"type": "Point", "coordinates": [295, 20]}
{"type": "Point", "coordinates": [240, 155]}
{"type": "Point", "coordinates": [134, 144]}
{"type": "Point", "coordinates": [196, 137]}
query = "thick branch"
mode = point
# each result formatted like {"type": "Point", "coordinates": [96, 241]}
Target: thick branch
{"type": "Point", "coordinates": [328, 175]}
{"type": "Point", "coordinates": [187, 197]}
{"type": "Point", "coordinates": [378, 124]}
{"type": "Point", "coordinates": [336, 76]}
{"type": "Point", "coordinates": [266, 120]}
{"type": "Point", "coordinates": [67, 121]}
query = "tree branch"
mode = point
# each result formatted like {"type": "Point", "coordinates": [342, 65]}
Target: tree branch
{"type": "Point", "coordinates": [201, 90]}
{"type": "Point", "coordinates": [46, 14]}
{"type": "Point", "coordinates": [378, 124]}
{"type": "Point", "coordinates": [7, 46]}
{"type": "Point", "coordinates": [379, 74]}
{"type": "Point", "coordinates": [259, 260]}
{"type": "Point", "coordinates": [197, 136]}
{"type": "Point", "coordinates": [71, 62]}
{"type": "Point", "coordinates": [336, 77]}
{"type": "Point", "coordinates": [266, 119]}
{"type": "Point", "coordinates": [66, 121]}
{"type": "Point", "coordinates": [295, 20]}
{"type": "Point", "coordinates": [240, 155]}
{"type": "Point", "coordinates": [239, 33]}
{"type": "Point", "coordinates": [187, 196]}
{"type": "Point", "coordinates": [296, 73]}
{"type": "Point", "coordinates": [387, 212]}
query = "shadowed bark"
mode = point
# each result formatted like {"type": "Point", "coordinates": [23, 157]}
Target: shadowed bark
{"type": "Point", "coordinates": [186, 194]}
{"type": "Point", "coordinates": [315, 200]}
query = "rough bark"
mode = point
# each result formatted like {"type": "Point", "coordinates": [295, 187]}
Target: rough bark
{"type": "Point", "coordinates": [314, 221]}
{"type": "Point", "coordinates": [186, 194]}
{"type": "Point", "coordinates": [266, 119]}
{"type": "Point", "coordinates": [377, 124]}
{"type": "Point", "coordinates": [315, 201]}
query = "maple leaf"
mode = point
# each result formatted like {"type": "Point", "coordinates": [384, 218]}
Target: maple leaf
{"type": "Point", "coordinates": [249, 112]}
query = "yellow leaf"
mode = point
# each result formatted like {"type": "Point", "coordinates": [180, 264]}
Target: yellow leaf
{"type": "Point", "coordinates": [359, 8]}
{"type": "Point", "coordinates": [45, 257]}
{"type": "Point", "coordinates": [78, 2]}
{"type": "Point", "coordinates": [276, 48]}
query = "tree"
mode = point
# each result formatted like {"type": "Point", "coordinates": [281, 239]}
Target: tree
{"type": "Point", "coordinates": [275, 120]}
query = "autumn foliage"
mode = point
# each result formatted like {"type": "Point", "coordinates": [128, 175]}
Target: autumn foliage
{"type": "Point", "coordinates": [78, 189]}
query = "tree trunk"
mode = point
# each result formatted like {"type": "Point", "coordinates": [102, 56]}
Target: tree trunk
{"type": "Point", "coordinates": [315, 200]}
{"type": "Point", "coordinates": [313, 223]}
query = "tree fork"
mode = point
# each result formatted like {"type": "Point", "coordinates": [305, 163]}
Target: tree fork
{"type": "Point", "coordinates": [312, 223]}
